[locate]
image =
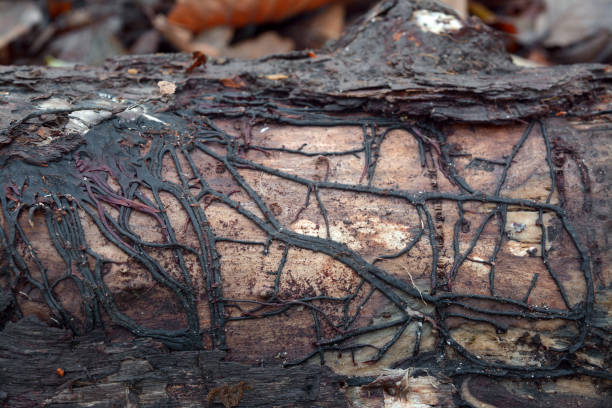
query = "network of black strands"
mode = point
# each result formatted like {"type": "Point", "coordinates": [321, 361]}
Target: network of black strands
{"type": "Point", "coordinates": [75, 189]}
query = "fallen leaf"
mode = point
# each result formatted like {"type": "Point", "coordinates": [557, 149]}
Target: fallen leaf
{"type": "Point", "coordinates": [197, 15]}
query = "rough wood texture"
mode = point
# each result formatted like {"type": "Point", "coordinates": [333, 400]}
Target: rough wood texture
{"type": "Point", "coordinates": [144, 373]}
{"type": "Point", "coordinates": [429, 221]}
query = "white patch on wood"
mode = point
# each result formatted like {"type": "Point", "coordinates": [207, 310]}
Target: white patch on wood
{"type": "Point", "coordinates": [338, 233]}
{"type": "Point", "coordinates": [81, 121]}
{"type": "Point", "coordinates": [154, 119]}
{"type": "Point", "coordinates": [356, 236]}
{"type": "Point", "coordinates": [436, 22]}
{"type": "Point", "coordinates": [54, 103]}
{"type": "Point", "coordinates": [525, 234]}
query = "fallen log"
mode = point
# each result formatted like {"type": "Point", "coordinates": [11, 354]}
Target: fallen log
{"type": "Point", "coordinates": [402, 218]}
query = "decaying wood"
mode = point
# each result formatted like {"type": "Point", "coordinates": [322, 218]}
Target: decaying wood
{"type": "Point", "coordinates": [96, 372]}
{"type": "Point", "coordinates": [406, 208]}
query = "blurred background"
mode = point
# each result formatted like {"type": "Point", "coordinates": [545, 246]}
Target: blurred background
{"type": "Point", "coordinates": [69, 32]}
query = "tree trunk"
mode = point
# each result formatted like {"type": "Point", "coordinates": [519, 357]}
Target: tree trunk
{"type": "Point", "coordinates": [403, 218]}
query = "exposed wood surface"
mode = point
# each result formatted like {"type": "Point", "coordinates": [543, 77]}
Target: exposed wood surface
{"type": "Point", "coordinates": [405, 208]}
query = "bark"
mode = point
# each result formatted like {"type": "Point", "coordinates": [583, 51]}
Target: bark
{"type": "Point", "coordinates": [404, 217]}
{"type": "Point", "coordinates": [97, 374]}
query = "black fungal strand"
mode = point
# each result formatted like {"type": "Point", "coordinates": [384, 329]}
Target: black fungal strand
{"type": "Point", "coordinates": [77, 186]}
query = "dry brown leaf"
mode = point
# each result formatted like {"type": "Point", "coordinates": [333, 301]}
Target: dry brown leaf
{"type": "Point", "coordinates": [197, 15]}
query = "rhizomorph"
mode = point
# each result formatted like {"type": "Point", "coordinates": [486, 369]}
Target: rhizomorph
{"type": "Point", "coordinates": [121, 168]}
